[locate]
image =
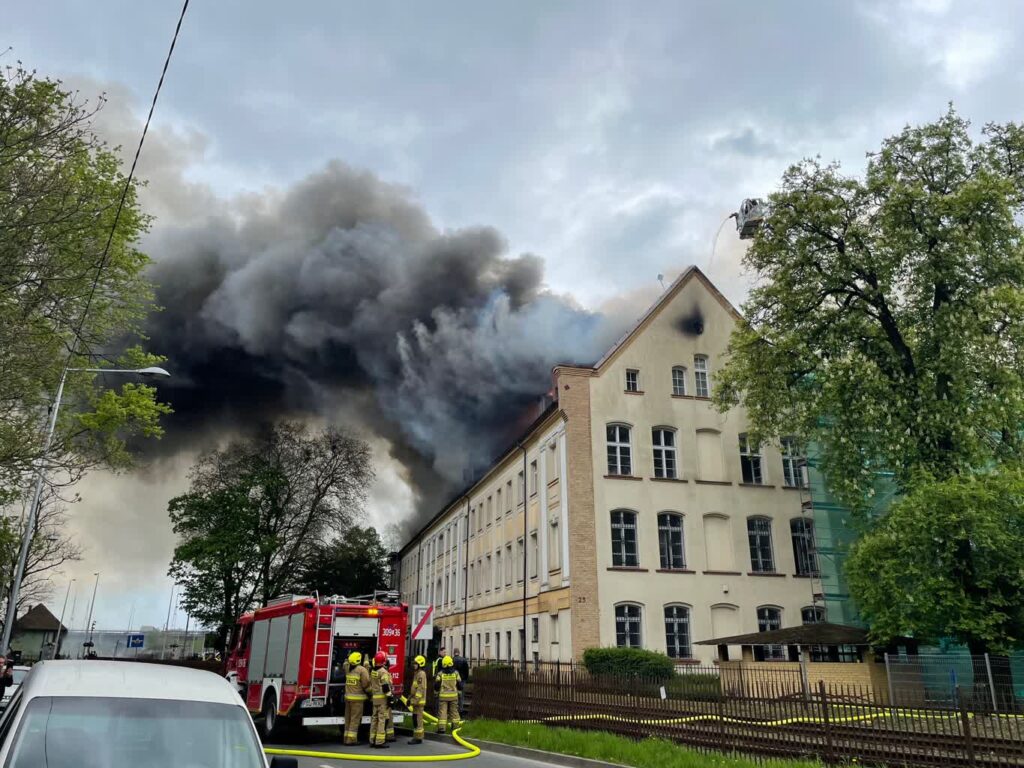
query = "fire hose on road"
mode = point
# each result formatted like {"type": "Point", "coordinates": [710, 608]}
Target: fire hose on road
{"type": "Point", "coordinates": [473, 751]}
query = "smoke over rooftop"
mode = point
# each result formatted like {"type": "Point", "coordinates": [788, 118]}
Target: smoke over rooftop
{"type": "Point", "coordinates": [338, 298]}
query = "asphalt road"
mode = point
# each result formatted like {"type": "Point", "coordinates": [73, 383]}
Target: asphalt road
{"type": "Point", "coordinates": [484, 760]}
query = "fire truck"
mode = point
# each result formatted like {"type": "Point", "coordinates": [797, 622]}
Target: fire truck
{"type": "Point", "coordinates": [286, 658]}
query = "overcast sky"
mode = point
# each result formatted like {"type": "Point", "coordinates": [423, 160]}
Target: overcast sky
{"type": "Point", "coordinates": [609, 138]}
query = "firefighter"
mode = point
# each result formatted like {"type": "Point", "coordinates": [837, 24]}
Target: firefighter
{"type": "Point", "coordinates": [380, 688]}
{"type": "Point", "coordinates": [357, 685]}
{"type": "Point", "coordinates": [447, 684]}
{"type": "Point", "coordinates": [389, 722]}
{"type": "Point", "coordinates": [418, 698]}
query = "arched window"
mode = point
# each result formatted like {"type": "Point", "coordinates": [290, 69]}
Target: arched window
{"type": "Point", "coordinates": [624, 551]}
{"type": "Point", "coordinates": [670, 541]}
{"type": "Point", "coordinates": [620, 455]}
{"type": "Point", "coordinates": [759, 536]}
{"type": "Point", "coordinates": [701, 376]}
{"type": "Point", "coordinates": [678, 380]}
{"type": "Point", "coordinates": [677, 631]}
{"type": "Point", "coordinates": [812, 614]}
{"type": "Point", "coordinates": [664, 441]}
{"type": "Point", "coordinates": [628, 620]}
{"type": "Point", "coordinates": [806, 559]}
{"type": "Point", "coordinates": [769, 617]}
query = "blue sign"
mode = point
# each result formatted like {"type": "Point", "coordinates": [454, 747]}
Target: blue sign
{"type": "Point", "coordinates": [135, 641]}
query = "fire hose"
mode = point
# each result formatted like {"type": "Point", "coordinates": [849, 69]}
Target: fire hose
{"type": "Point", "coordinates": [473, 751]}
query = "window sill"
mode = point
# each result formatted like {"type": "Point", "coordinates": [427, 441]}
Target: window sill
{"type": "Point", "coordinates": [795, 487]}
{"type": "Point", "coordinates": [805, 575]}
{"type": "Point", "coordinates": [668, 479]}
{"type": "Point", "coordinates": [686, 662]}
{"type": "Point", "coordinates": [622, 477]}
{"type": "Point", "coordinates": [756, 485]}
{"type": "Point", "coordinates": [702, 397]}
{"type": "Point", "coordinates": [772, 575]}
{"type": "Point", "coordinates": [713, 482]}
{"type": "Point", "coordinates": [721, 573]}
{"type": "Point", "coordinates": [633, 391]}
{"type": "Point", "coordinates": [683, 397]}
{"type": "Point", "coordinates": [674, 570]}
{"type": "Point", "coordinates": [627, 568]}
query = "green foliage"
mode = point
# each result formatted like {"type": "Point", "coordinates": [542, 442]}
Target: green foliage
{"type": "Point", "coordinates": [629, 662]}
{"type": "Point", "coordinates": [698, 687]}
{"type": "Point", "coordinates": [947, 561]}
{"type": "Point", "coordinates": [356, 563]}
{"type": "Point", "coordinates": [886, 322]}
{"type": "Point", "coordinates": [59, 188]}
{"type": "Point", "coordinates": [608, 747]}
{"type": "Point", "coordinates": [258, 511]}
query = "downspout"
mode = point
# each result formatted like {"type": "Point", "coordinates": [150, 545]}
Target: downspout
{"type": "Point", "coordinates": [526, 550]}
{"type": "Point", "coordinates": [465, 577]}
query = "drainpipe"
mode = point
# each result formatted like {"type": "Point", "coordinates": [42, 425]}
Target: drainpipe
{"type": "Point", "coordinates": [465, 590]}
{"type": "Point", "coordinates": [526, 550]}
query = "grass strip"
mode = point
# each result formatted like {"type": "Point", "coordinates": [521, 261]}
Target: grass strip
{"type": "Point", "coordinates": [611, 748]}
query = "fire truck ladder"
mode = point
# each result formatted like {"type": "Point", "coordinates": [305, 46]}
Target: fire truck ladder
{"type": "Point", "coordinates": [323, 645]}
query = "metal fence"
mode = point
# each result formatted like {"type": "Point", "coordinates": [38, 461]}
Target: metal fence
{"type": "Point", "coordinates": [172, 644]}
{"type": "Point", "coordinates": [981, 682]}
{"type": "Point", "coordinates": [833, 723]}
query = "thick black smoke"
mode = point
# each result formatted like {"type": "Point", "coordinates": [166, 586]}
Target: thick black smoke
{"type": "Point", "coordinates": [340, 299]}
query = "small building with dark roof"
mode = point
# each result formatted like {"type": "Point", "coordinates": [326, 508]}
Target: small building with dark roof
{"type": "Point", "coordinates": [35, 633]}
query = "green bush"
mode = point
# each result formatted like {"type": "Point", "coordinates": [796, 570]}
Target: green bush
{"type": "Point", "coordinates": [491, 668]}
{"type": "Point", "coordinates": [697, 686]}
{"type": "Point", "coordinates": [629, 662]}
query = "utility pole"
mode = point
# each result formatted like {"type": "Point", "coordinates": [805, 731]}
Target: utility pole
{"type": "Point", "coordinates": [60, 622]}
{"type": "Point", "coordinates": [92, 604]}
{"type": "Point", "coordinates": [167, 624]}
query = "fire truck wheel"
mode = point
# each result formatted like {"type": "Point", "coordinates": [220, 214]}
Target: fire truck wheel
{"type": "Point", "coordinates": [271, 722]}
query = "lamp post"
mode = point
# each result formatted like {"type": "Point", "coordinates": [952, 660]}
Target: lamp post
{"type": "Point", "coordinates": [33, 510]}
{"type": "Point", "coordinates": [60, 622]}
{"type": "Point", "coordinates": [92, 603]}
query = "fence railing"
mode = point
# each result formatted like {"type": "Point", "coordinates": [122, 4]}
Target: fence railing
{"type": "Point", "coordinates": [835, 723]}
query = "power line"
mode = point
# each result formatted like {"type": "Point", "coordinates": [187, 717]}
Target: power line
{"type": "Point", "coordinates": [124, 192]}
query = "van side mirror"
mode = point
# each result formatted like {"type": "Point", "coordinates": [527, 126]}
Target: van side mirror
{"type": "Point", "coordinates": [284, 762]}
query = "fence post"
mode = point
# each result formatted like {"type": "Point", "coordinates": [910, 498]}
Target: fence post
{"type": "Point", "coordinates": [805, 683]}
{"type": "Point", "coordinates": [991, 684]}
{"type": "Point", "coordinates": [888, 678]}
{"type": "Point", "coordinates": [827, 757]}
{"type": "Point", "coordinates": [965, 720]}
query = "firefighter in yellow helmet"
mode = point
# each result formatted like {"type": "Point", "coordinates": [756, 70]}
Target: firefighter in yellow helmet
{"type": "Point", "coordinates": [447, 684]}
{"type": "Point", "coordinates": [418, 698]}
{"type": "Point", "coordinates": [357, 686]}
{"type": "Point", "coordinates": [380, 689]}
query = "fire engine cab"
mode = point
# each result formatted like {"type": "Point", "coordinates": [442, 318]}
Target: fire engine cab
{"type": "Point", "coordinates": [287, 657]}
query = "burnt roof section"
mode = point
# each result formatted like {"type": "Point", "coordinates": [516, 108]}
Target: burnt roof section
{"type": "Point", "coordinates": [806, 634]}
{"type": "Point", "coordinates": [38, 619]}
{"type": "Point", "coordinates": [546, 413]}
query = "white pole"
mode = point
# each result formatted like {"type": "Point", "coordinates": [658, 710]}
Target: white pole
{"type": "Point", "coordinates": [167, 624]}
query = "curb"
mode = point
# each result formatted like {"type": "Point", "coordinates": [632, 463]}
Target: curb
{"type": "Point", "coordinates": [555, 758]}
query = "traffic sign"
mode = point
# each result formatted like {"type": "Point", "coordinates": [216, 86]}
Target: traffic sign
{"type": "Point", "coordinates": [422, 622]}
{"type": "Point", "coordinates": [136, 641]}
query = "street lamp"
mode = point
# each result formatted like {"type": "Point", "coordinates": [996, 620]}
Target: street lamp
{"type": "Point", "coordinates": [33, 511]}
{"type": "Point", "coordinates": [60, 621]}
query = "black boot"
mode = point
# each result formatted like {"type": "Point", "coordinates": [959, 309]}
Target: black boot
{"type": "Point", "coordinates": [414, 741]}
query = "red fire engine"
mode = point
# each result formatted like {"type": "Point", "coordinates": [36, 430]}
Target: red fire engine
{"type": "Point", "coordinates": [287, 657]}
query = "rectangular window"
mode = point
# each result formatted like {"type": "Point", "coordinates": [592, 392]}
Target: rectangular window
{"type": "Point", "coordinates": [769, 619]}
{"type": "Point", "coordinates": [497, 646]}
{"type": "Point", "coordinates": [552, 463]}
{"type": "Point", "coordinates": [490, 511]}
{"type": "Point", "coordinates": [670, 541]}
{"type": "Point", "coordinates": [804, 555]}
{"type": "Point", "coordinates": [677, 631]}
{"type": "Point", "coordinates": [479, 648]}
{"type": "Point", "coordinates": [534, 555]}
{"type": "Point", "coordinates": [627, 626]}
{"type": "Point", "coordinates": [508, 564]}
{"type": "Point", "coordinates": [554, 547]}
{"type": "Point", "coordinates": [533, 477]}
{"type": "Point", "coordinates": [619, 451]}
{"type": "Point", "coordinates": [624, 551]}
{"type": "Point", "coordinates": [520, 489]}
{"type": "Point", "coordinates": [632, 380]}
{"type": "Point", "coordinates": [472, 578]}
{"type": "Point", "coordinates": [750, 461]}
{"type": "Point", "coordinates": [508, 644]}
{"type": "Point", "coordinates": [679, 380]}
{"type": "Point", "coordinates": [794, 463]}
{"type": "Point", "coordinates": [498, 508]}
{"type": "Point", "coordinates": [519, 560]}
{"type": "Point", "coordinates": [554, 630]}
{"type": "Point", "coordinates": [522, 645]}
{"type": "Point", "coordinates": [759, 536]}
{"type": "Point", "coordinates": [535, 629]}
{"type": "Point", "coordinates": [664, 441]}
{"type": "Point", "coordinates": [508, 498]}
{"type": "Point", "coordinates": [487, 574]}
{"type": "Point", "coordinates": [701, 376]}
{"type": "Point", "coordinates": [497, 570]}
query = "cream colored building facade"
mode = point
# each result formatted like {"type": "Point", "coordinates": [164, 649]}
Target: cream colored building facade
{"type": "Point", "coordinates": [646, 520]}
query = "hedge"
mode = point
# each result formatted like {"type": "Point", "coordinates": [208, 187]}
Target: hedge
{"type": "Point", "coordinates": [629, 662]}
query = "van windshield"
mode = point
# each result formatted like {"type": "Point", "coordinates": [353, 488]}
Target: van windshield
{"type": "Point", "coordinates": [93, 732]}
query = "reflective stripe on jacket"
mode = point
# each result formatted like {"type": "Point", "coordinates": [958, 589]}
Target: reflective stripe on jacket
{"type": "Point", "coordinates": [449, 686]}
{"type": "Point", "coordinates": [418, 692]}
{"type": "Point", "coordinates": [380, 683]}
{"type": "Point", "coordinates": [357, 683]}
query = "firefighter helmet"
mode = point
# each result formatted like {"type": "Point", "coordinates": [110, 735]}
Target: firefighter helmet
{"type": "Point", "coordinates": [355, 658]}
{"type": "Point", "coordinates": [380, 658]}
{"type": "Point", "coordinates": [420, 662]}
{"type": "Point", "coordinates": [447, 661]}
